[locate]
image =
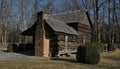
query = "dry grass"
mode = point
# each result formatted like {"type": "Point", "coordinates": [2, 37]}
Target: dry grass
{"type": "Point", "coordinates": [109, 60]}
{"type": "Point", "coordinates": [112, 55]}
{"type": "Point", "coordinates": [108, 63]}
{"type": "Point", "coordinates": [41, 65]}
{"type": "Point", "coordinates": [3, 47]}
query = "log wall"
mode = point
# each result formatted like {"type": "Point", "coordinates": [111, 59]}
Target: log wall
{"type": "Point", "coordinates": [84, 32]}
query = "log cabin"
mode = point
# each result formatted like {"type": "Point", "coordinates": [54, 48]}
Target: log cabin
{"type": "Point", "coordinates": [59, 33]}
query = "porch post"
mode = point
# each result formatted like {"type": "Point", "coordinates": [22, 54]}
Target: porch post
{"type": "Point", "coordinates": [66, 44]}
{"type": "Point", "coordinates": [84, 40]}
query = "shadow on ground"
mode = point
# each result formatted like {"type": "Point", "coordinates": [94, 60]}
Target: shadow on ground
{"type": "Point", "coordinates": [4, 50]}
{"type": "Point", "coordinates": [65, 59]}
{"type": "Point", "coordinates": [27, 52]}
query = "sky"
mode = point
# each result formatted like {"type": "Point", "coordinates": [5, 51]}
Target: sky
{"type": "Point", "coordinates": [29, 5]}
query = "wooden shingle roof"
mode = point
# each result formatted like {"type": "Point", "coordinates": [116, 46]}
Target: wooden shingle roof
{"type": "Point", "coordinates": [58, 22]}
{"type": "Point", "coordinates": [71, 16]}
{"type": "Point", "coordinates": [59, 26]}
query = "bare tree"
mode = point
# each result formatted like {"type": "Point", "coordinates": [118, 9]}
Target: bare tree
{"type": "Point", "coordinates": [76, 4]}
{"type": "Point", "coordinates": [109, 30]}
{"type": "Point", "coordinates": [4, 20]}
{"type": "Point", "coordinates": [49, 6]}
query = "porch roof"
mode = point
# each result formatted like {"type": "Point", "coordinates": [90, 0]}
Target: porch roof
{"type": "Point", "coordinates": [30, 31]}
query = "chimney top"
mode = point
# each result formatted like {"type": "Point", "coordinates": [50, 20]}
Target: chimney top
{"type": "Point", "coordinates": [43, 14]}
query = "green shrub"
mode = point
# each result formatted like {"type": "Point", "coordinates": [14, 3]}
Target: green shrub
{"type": "Point", "coordinates": [12, 48]}
{"type": "Point", "coordinates": [102, 47]}
{"type": "Point", "coordinates": [89, 53]}
{"type": "Point", "coordinates": [81, 54]}
{"type": "Point", "coordinates": [111, 47]}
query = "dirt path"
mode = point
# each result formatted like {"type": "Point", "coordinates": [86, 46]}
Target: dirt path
{"type": "Point", "coordinates": [20, 57]}
{"type": "Point", "coordinates": [11, 56]}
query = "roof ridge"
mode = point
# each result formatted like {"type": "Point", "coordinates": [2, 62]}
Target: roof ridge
{"type": "Point", "coordinates": [69, 12]}
{"type": "Point", "coordinates": [55, 19]}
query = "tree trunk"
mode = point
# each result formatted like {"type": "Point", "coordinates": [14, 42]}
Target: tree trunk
{"type": "Point", "coordinates": [22, 18]}
{"type": "Point", "coordinates": [96, 24]}
{"type": "Point", "coordinates": [109, 30]}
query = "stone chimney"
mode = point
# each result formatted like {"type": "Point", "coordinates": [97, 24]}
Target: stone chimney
{"type": "Point", "coordinates": [42, 15]}
{"type": "Point", "coordinates": [40, 40]}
